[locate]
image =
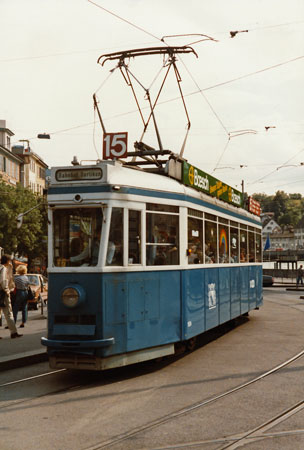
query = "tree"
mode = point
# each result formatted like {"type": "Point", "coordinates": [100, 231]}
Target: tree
{"type": "Point", "coordinates": [31, 239]}
{"type": "Point", "coordinates": [288, 209]}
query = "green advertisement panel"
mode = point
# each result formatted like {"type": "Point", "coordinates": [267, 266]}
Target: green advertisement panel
{"type": "Point", "coordinates": [202, 181]}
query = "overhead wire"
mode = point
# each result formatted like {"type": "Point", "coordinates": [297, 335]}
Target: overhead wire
{"type": "Point", "coordinates": [199, 89]}
{"type": "Point", "coordinates": [275, 170]}
{"type": "Point", "coordinates": [164, 42]}
{"type": "Point", "coordinates": [124, 20]}
{"type": "Point", "coordinates": [52, 55]}
{"type": "Point", "coordinates": [255, 73]}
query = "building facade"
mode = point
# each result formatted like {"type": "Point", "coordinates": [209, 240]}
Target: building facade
{"type": "Point", "coordinates": [33, 170]}
{"type": "Point", "coordinates": [10, 164]}
{"type": "Point", "coordinates": [299, 234]}
{"type": "Point", "coordinates": [19, 164]}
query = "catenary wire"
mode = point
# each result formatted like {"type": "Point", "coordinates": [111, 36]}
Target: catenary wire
{"type": "Point", "coordinates": [275, 170]}
{"type": "Point", "coordinates": [125, 20]}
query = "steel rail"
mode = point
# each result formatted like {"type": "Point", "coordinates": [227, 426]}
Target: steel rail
{"type": "Point", "coordinates": [22, 380]}
{"type": "Point", "coordinates": [193, 407]}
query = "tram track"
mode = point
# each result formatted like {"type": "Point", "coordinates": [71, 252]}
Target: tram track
{"type": "Point", "coordinates": [34, 377]}
{"type": "Point", "coordinates": [256, 434]}
{"type": "Point", "coordinates": [177, 414]}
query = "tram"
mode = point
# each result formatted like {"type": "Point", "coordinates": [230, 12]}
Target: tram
{"type": "Point", "coordinates": [140, 261]}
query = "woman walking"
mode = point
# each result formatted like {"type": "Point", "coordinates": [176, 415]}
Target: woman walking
{"type": "Point", "coordinates": [6, 282]}
{"type": "Point", "coordinates": [22, 284]}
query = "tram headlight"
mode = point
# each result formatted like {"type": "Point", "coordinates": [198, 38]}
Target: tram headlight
{"type": "Point", "coordinates": [72, 296]}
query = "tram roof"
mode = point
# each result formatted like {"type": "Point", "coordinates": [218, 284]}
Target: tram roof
{"type": "Point", "coordinates": [135, 181]}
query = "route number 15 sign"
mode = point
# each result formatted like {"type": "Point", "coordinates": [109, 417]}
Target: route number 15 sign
{"type": "Point", "coordinates": [115, 145]}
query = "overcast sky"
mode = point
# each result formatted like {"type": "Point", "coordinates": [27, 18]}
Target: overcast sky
{"type": "Point", "coordinates": [49, 72]}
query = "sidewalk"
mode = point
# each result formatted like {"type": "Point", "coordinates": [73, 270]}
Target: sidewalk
{"type": "Point", "coordinates": [27, 349]}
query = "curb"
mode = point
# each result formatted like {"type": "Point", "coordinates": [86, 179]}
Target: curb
{"type": "Point", "coordinates": [23, 359]}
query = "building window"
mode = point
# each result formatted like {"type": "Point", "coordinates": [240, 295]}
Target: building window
{"type": "Point", "coordinates": [2, 163]}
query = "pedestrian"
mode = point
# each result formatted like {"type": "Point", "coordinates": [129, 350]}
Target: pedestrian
{"type": "Point", "coordinates": [300, 275]}
{"type": "Point", "coordinates": [22, 284]}
{"type": "Point", "coordinates": [5, 285]}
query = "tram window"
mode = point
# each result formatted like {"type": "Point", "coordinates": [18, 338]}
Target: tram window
{"type": "Point", "coordinates": [162, 234]}
{"type": "Point", "coordinates": [134, 237]}
{"type": "Point", "coordinates": [115, 245]}
{"type": "Point", "coordinates": [195, 241]}
{"type": "Point", "coordinates": [76, 237]}
{"type": "Point", "coordinates": [162, 208]}
{"type": "Point", "coordinates": [210, 242]}
{"type": "Point", "coordinates": [210, 217]}
{"type": "Point", "coordinates": [195, 213]}
{"type": "Point", "coordinates": [258, 247]}
{"type": "Point", "coordinates": [251, 246]}
{"type": "Point", "coordinates": [234, 245]}
{"type": "Point", "coordinates": [243, 244]}
{"type": "Point", "coordinates": [221, 220]}
{"type": "Point", "coordinates": [223, 244]}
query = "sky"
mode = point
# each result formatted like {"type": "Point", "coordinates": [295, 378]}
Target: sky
{"type": "Point", "coordinates": [244, 94]}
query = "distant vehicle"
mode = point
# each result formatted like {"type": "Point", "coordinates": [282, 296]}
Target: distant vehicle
{"type": "Point", "coordinates": [267, 280]}
{"type": "Point", "coordinates": [39, 285]}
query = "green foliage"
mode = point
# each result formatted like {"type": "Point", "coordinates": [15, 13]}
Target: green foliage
{"type": "Point", "coordinates": [288, 209]}
{"type": "Point", "coordinates": [31, 239]}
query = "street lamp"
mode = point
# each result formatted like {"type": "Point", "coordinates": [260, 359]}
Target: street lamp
{"type": "Point", "coordinates": [21, 215]}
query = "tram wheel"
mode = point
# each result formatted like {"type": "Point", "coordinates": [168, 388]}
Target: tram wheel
{"type": "Point", "coordinates": [180, 348]}
{"type": "Point", "coordinates": [191, 344]}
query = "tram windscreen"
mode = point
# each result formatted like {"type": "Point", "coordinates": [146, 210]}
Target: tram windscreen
{"type": "Point", "coordinates": [76, 236]}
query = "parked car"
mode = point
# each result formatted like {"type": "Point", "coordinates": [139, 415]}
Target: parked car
{"type": "Point", "coordinates": [39, 286]}
{"type": "Point", "coordinates": [267, 280]}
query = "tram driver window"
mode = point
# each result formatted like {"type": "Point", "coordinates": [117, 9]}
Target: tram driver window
{"type": "Point", "coordinates": [162, 234]}
{"type": "Point", "coordinates": [210, 242]}
{"type": "Point", "coordinates": [115, 245]}
{"type": "Point", "coordinates": [76, 236]}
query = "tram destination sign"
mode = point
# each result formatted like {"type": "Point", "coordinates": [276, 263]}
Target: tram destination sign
{"type": "Point", "coordinates": [85, 174]}
{"type": "Point", "coordinates": [202, 181]}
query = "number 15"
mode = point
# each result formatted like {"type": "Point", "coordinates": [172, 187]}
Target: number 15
{"type": "Point", "coordinates": [115, 145]}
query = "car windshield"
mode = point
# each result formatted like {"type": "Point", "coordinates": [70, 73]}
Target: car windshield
{"type": "Point", "coordinates": [33, 279]}
{"type": "Point", "coordinates": [76, 236]}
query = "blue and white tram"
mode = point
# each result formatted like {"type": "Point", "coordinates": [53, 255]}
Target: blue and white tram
{"type": "Point", "coordinates": [139, 262]}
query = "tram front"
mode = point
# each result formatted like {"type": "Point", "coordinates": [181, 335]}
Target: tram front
{"type": "Point", "coordinates": [79, 219]}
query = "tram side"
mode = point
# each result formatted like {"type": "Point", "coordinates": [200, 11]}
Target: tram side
{"type": "Point", "coordinates": [169, 267]}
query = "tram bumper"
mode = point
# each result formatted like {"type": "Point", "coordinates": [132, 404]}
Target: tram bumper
{"type": "Point", "coordinates": [74, 345]}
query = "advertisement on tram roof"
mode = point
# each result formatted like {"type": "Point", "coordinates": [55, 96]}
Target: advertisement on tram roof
{"type": "Point", "coordinates": [202, 181]}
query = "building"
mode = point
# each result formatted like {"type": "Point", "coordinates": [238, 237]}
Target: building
{"type": "Point", "coordinates": [299, 234]}
{"type": "Point", "coordinates": [34, 168]}
{"type": "Point", "coordinates": [269, 224]}
{"type": "Point", "coordinates": [19, 164]}
{"type": "Point", "coordinates": [10, 164]}
{"type": "Point", "coordinates": [281, 241]}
